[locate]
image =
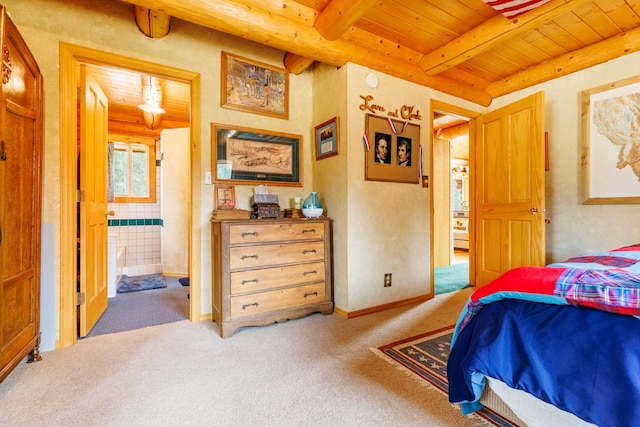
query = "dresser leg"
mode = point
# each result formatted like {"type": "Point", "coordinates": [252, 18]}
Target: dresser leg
{"type": "Point", "coordinates": [34, 354]}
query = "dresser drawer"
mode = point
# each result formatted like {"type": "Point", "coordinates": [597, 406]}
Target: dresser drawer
{"type": "Point", "coordinates": [268, 278]}
{"type": "Point", "coordinates": [263, 302]}
{"type": "Point", "coordinates": [241, 257]}
{"type": "Point", "coordinates": [261, 233]}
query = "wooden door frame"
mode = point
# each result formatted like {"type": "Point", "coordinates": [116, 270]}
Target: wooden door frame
{"type": "Point", "coordinates": [70, 55]}
{"type": "Point", "coordinates": [472, 115]}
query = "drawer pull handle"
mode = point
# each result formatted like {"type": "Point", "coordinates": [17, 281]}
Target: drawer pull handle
{"type": "Point", "coordinates": [244, 282]}
{"type": "Point", "coordinates": [310, 294]}
{"type": "Point", "coordinates": [313, 230]}
{"type": "Point", "coordinates": [244, 306]}
{"type": "Point", "coordinates": [310, 272]}
{"type": "Point", "coordinates": [306, 251]}
{"type": "Point", "coordinates": [245, 234]}
{"type": "Point", "coordinates": [243, 257]}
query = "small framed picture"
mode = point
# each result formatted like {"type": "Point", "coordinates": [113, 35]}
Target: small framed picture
{"type": "Point", "coordinates": [327, 139]}
{"type": "Point", "coordinates": [225, 197]}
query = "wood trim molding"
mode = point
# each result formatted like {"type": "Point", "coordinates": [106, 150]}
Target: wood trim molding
{"type": "Point", "coordinates": [70, 55]}
{"type": "Point", "coordinates": [383, 307]}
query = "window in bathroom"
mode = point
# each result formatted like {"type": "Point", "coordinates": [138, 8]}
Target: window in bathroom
{"type": "Point", "coordinates": [133, 170]}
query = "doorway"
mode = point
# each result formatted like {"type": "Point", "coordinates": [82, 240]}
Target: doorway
{"type": "Point", "coordinates": [146, 252]}
{"type": "Point", "coordinates": [70, 56]}
{"type": "Point", "coordinates": [451, 196]}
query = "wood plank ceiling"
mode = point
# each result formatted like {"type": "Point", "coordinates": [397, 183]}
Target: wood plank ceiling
{"type": "Point", "coordinates": [124, 91]}
{"type": "Point", "coordinates": [460, 47]}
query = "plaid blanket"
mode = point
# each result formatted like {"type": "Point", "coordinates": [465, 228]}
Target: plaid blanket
{"type": "Point", "coordinates": [608, 281]}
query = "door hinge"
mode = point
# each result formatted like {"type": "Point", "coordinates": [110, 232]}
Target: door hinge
{"type": "Point", "coordinates": [80, 298]}
{"type": "Point", "coordinates": [80, 196]}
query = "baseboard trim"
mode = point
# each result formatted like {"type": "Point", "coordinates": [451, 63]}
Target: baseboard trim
{"type": "Point", "coordinates": [365, 311]}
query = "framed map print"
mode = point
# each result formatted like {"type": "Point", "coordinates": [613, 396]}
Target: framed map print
{"type": "Point", "coordinates": [611, 150]}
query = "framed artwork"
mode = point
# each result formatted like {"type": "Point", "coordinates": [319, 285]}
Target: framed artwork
{"type": "Point", "coordinates": [611, 150]}
{"type": "Point", "coordinates": [327, 139]}
{"type": "Point", "coordinates": [225, 196]}
{"type": "Point", "coordinates": [394, 153]}
{"type": "Point", "coordinates": [248, 156]}
{"type": "Point", "coordinates": [254, 87]}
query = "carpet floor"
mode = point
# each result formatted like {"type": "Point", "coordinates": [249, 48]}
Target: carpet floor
{"type": "Point", "coordinates": [135, 310]}
{"type": "Point", "coordinates": [316, 371]}
{"type": "Point", "coordinates": [424, 357]}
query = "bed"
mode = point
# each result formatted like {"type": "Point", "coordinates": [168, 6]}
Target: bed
{"type": "Point", "coordinates": [559, 344]}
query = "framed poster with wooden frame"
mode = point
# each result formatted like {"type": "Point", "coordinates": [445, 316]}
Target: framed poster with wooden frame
{"type": "Point", "coordinates": [611, 151]}
{"type": "Point", "coordinates": [327, 140]}
{"type": "Point", "coordinates": [249, 156]}
{"type": "Point", "coordinates": [225, 197]}
{"type": "Point", "coordinates": [402, 140]}
{"type": "Point", "coordinates": [254, 87]}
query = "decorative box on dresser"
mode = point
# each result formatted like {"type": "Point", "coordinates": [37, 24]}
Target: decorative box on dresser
{"type": "Point", "coordinates": [270, 270]}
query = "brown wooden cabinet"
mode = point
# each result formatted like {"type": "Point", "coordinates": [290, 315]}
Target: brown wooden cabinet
{"type": "Point", "coordinates": [270, 270]}
{"type": "Point", "coordinates": [20, 200]}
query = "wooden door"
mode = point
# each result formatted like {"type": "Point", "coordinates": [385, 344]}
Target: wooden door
{"type": "Point", "coordinates": [93, 202]}
{"type": "Point", "coordinates": [510, 196]}
{"type": "Point", "coordinates": [441, 218]}
{"type": "Point", "coordinates": [20, 200]}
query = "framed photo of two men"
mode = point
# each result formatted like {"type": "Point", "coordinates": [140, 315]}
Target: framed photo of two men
{"type": "Point", "coordinates": [394, 150]}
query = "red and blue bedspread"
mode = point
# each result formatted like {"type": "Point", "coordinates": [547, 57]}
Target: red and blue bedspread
{"type": "Point", "coordinates": [567, 333]}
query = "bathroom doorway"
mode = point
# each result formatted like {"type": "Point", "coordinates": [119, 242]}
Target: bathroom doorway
{"type": "Point", "coordinates": [71, 56]}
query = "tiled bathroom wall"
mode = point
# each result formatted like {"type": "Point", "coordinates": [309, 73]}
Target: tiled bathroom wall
{"type": "Point", "coordinates": [138, 227]}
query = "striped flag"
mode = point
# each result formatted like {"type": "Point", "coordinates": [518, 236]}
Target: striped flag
{"type": "Point", "coordinates": [512, 8]}
{"type": "Point", "coordinates": [365, 139]}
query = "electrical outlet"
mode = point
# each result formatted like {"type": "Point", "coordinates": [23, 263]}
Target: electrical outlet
{"type": "Point", "coordinates": [387, 280]}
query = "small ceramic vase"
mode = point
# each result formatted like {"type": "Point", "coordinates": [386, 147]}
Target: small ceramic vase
{"type": "Point", "coordinates": [312, 207]}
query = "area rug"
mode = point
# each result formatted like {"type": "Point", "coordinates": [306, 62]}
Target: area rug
{"type": "Point", "coordinates": [451, 278]}
{"type": "Point", "coordinates": [141, 283]}
{"type": "Point", "coordinates": [424, 357]}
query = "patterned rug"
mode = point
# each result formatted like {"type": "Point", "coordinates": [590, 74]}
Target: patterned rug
{"type": "Point", "coordinates": [424, 357]}
{"type": "Point", "coordinates": [141, 283]}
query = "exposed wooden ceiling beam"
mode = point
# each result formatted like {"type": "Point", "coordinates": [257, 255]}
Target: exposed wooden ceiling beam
{"type": "Point", "coordinates": [339, 16]}
{"type": "Point", "coordinates": [333, 21]}
{"type": "Point", "coordinates": [152, 23]}
{"type": "Point", "coordinates": [491, 33]}
{"type": "Point", "coordinates": [248, 20]}
{"type": "Point", "coordinates": [296, 64]}
{"type": "Point", "coordinates": [571, 62]}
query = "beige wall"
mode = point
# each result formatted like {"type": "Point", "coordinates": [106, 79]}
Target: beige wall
{"type": "Point", "coordinates": [109, 26]}
{"type": "Point", "coordinates": [378, 227]}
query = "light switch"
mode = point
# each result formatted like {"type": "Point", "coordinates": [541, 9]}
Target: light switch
{"type": "Point", "coordinates": [207, 177]}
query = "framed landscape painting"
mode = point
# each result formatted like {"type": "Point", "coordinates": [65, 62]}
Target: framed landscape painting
{"type": "Point", "coordinates": [252, 156]}
{"type": "Point", "coordinates": [254, 87]}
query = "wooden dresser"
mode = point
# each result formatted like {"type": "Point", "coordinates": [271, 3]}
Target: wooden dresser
{"type": "Point", "coordinates": [270, 270]}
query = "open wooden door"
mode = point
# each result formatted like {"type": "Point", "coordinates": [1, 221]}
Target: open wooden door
{"type": "Point", "coordinates": [93, 203]}
{"type": "Point", "coordinates": [510, 194]}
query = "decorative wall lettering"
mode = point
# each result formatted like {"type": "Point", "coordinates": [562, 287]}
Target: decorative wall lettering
{"type": "Point", "coordinates": [406, 112]}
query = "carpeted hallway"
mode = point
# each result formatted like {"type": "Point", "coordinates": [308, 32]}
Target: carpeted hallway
{"type": "Point", "coordinates": [135, 310]}
{"type": "Point", "coordinates": [314, 371]}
